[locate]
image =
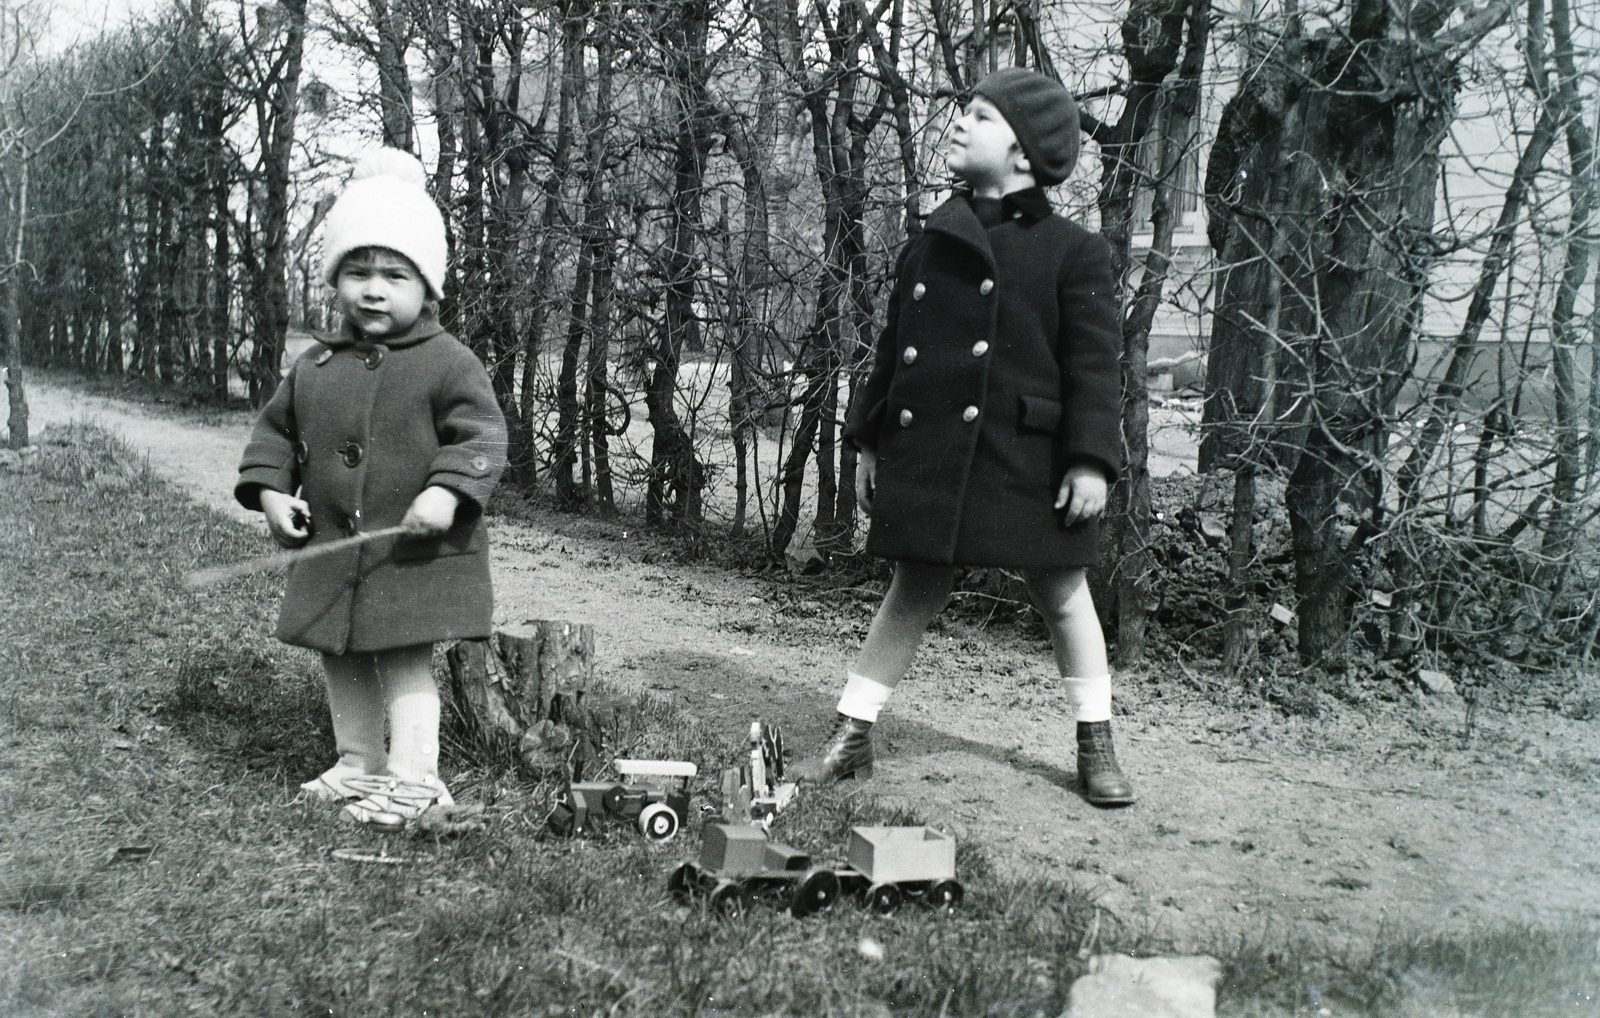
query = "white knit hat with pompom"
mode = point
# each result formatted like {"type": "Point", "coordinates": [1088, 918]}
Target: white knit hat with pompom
{"type": "Point", "coordinates": [386, 204]}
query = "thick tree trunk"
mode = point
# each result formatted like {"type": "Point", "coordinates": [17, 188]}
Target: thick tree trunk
{"type": "Point", "coordinates": [507, 684]}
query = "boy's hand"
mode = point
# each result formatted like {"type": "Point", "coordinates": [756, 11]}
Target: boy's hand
{"type": "Point", "coordinates": [288, 518]}
{"type": "Point", "coordinates": [1082, 494]}
{"type": "Point", "coordinates": [866, 479]}
{"type": "Point", "coordinates": [431, 512]}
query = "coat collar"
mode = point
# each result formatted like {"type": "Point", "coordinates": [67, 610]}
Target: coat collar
{"type": "Point", "coordinates": [956, 219]}
{"type": "Point", "coordinates": [425, 327]}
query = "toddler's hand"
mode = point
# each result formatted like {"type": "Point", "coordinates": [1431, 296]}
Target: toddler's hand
{"type": "Point", "coordinates": [431, 512]}
{"type": "Point", "coordinates": [288, 518]}
{"type": "Point", "coordinates": [866, 479]}
{"type": "Point", "coordinates": [1082, 494]}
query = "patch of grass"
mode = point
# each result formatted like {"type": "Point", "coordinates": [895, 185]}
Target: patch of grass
{"type": "Point", "coordinates": [1525, 971]}
{"type": "Point", "coordinates": [153, 859]}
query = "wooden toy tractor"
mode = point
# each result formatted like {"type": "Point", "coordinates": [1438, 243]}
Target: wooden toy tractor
{"type": "Point", "coordinates": [654, 794]}
{"type": "Point", "coordinates": [739, 863]}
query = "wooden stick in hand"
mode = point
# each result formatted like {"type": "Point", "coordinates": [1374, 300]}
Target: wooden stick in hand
{"type": "Point", "coordinates": [219, 574]}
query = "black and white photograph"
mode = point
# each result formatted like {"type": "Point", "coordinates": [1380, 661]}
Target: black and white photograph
{"type": "Point", "coordinates": [800, 508]}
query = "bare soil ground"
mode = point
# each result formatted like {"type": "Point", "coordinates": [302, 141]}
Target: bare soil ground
{"type": "Point", "coordinates": [1250, 823]}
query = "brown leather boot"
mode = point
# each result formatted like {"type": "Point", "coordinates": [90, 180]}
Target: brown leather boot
{"type": "Point", "coordinates": [846, 754]}
{"type": "Point", "coordinates": [1102, 781]}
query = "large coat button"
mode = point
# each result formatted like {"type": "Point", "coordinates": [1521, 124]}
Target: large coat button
{"type": "Point", "coordinates": [917, 291]}
{"type": "Point", "coordinates": [970, 414]}
{"type": "Point", "coordinates": [374, 358]}
{"type": "Point", "coordinates": [980, 348]}
{"type": "Point", "coordinates": [910, 356]}
{"type": "Point", "coordinates": [986, 287]}
{"type": "Point", "coordinates": [350, 452]}
{"type": "Point", "coordinates": [905, 418]}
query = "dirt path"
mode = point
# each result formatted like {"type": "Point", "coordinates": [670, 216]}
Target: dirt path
{"type": "Point", "coordinates": [1249, 824]}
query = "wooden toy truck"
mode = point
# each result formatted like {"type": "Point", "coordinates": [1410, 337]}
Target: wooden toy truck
{"type": "Point", "coordinates": [886, 864]}
{"type": "Point", "coordinates": [654, 794]}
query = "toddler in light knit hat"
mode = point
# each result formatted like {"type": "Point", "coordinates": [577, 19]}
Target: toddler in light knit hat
{"type": "Point", "coordinates": [390, 424]}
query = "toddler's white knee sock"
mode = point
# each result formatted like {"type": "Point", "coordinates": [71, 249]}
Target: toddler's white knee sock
{"type": "Point", "coordinates": [1091, 696]}
{"type": "Point", "coordinates": [863, 698]}
{"type": "Point", "coordinates": [355, 699]}
{"type": "Point", "coordinates": [413, 702]}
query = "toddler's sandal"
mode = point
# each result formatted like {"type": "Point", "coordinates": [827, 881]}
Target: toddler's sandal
{"type": "Point", "coordinates": [388, 803]}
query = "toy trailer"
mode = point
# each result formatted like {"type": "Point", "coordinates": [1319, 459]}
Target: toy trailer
{"type": "Point", "coordinates": [654, 794]}
{"type": "Point", "coordinates": [887, 864]}
{"type": "Point", "coordinates": [739, 862]}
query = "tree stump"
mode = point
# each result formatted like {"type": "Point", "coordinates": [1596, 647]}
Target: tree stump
{"type": "Point", "coordinates": [506, 685]}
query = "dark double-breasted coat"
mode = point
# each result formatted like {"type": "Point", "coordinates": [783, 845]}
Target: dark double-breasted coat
{"type": "Point", "coordinates": [358, 429]}
{"type": "Point", "coordinates": [998, 368]}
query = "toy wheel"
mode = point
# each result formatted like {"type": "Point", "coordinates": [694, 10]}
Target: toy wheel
{"type": "Point", "coordinates": [659, 822]}
{"type": "Point", "coordinates": [815, 893]}
{"type": "Point", "coordinates": [729, 898]}
{"type": "Point", "coordinates": [883, 898]}
{"type": "Point", "coordinates": [683, 881]}
{"type": "Point", "coordinates": [611, 799]}
{"type": "Point", "coordinates": [945, 894]}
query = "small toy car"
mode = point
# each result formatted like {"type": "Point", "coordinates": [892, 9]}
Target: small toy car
{"type": "Point", "coordinates": [651, 793]}
{"type": "Point", "coordinates": [886, 865]}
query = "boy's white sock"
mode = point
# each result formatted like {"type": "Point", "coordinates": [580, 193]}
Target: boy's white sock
{"type": "Point", "coordinates": [863, 698]}
{"type": "Point", "coordinates": [1091, 696]}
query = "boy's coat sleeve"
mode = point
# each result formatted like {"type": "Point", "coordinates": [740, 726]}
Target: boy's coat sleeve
{"type": "Point", "coordinates": [269, 457]}
{"type": "Point", "coordinates": [472, 434]}
{"type": "Point", "coordinates": [1091, 360]}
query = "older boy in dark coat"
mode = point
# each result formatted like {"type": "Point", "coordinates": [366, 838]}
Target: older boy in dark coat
{"type": "Point", "coordinates": [988, 426]}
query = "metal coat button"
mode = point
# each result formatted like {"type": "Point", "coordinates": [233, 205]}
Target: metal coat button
{"type": "Point", "coordinates": [980, 348]}
{"type": "Point", "coordinates": [480, 463]}
{"type": "Point", "coordinates": [302, 452]}
{"type": "Point", "coordinates": [986, 287]}
{"type": "Point", "coordinates": [917, 291]}
{"type": "Point", "coordinates": [350, 452]}
{"type": "Point", "coordinates": [910, 356]}
{"type": "Point", "coordinates": [905, 418]}
{"type": "Point", "coordinates": [970, 414]}
{"type": "Point", "coordinates": [374, 358]}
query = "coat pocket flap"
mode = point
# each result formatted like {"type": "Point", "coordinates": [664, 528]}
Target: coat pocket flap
{"type": "Point", "coordinates": [1039, 413]}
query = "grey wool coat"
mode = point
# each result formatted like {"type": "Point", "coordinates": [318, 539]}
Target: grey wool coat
{"type": "Point", "coordinates": [998, 368]}
{"type": "Point", "coordinates": [358, 429]}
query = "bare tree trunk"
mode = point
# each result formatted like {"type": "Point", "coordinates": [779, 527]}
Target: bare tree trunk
{"type": "Point", "coordinates": [277, 122]}
{"type": "Point", "coordinates": [677, 477]}
{"type": "Point", "coordinates": [393, 27]}
{"type": "Point", "coordinates": [16, 393]}
{"type": "Point", "coordinates": [1566, 326]}
{"type": "Point", "coordinates": [1154, 38]}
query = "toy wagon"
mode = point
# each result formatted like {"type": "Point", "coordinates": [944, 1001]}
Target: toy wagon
{"type": "Point", "coordinates": [886, 864]}
{"type": "Point", "coordinates": [654, 794]}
